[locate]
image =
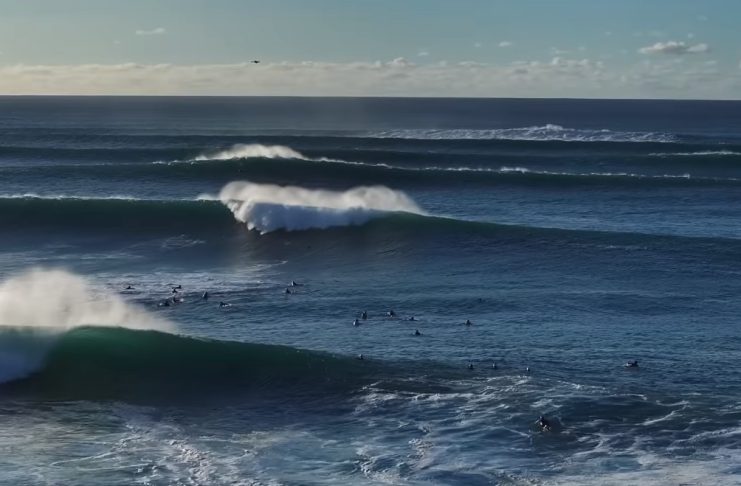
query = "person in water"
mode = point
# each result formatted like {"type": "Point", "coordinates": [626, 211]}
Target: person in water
{"type": "Point", "coordinates": [129, 287]}
{"type": "Point", "coordinates": [494, 366]}
{"type": "Point", "coordinates": [412, 318]}
{"type": "Point", "coordinates": [391, 313]}
{"type": "Point", "coordinates": [224, 304]}
{"type": "Point", "coordinates": [364, 315]}
{"type": "Point", "coordinates": [205, 296]}
{"type": "Point", "coordinates": [468, 322]}
{"type": "Point", "coordinates": [470, 366]}
{"type": "Point", "coordinates": [361, 357]}
{"type": "Point", "coordinates": [417, 333]}
{"type": "Point", "coordinates": [288, 291]}
{"type": "Point", "coordinates": [544, 424]}
{"type": "Point", "coordinates": [356, 323]}
{"type": "Point", "coordinates": [632, 364]}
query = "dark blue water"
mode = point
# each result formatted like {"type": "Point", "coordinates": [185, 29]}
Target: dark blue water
{"type": "Point", "coordinates": [574, 234]}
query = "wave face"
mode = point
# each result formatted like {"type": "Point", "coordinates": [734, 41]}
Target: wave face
{"type": "Point", "coordinates": [120, 215]}
{"type": "Point", "coordinates": [266, 208]}
{"type": "Point", "coordinates": [151, 366]}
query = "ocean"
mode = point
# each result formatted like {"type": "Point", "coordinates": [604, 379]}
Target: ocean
{"type": "Point", "coordinates": [575, 235]}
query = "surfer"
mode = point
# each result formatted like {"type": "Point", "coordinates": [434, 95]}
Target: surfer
{"type": "Point", "coordinates": [417, 333]}
{"type": "Point", "coordinates": [224, 304]}
{"type": "Point", "coordinates": [544, 424]}
{"type": "Point", "coordinates": [364, 315]}
{"type": "Point", "coordinates": [288, 291]}
{"type": "Point", "coordinates": [412, 318]}
{"type": "Point", "coordinates": [527, 370]}
{"type": "Point", "coordinates": [205, 296]}
{"type": "Point", "coordinates": [468, 322]}
{"type": "Point", "coordinates": [165, 303]}
{"type": "Point", "coordinates": [356, 323]}
{"type": "Point", "coordinates": [129, 287]}
{"type": "Point", "coordinates": [391, 313]}
{"type": "Point", "coordinates": [632, 364]}
{"type": "Point", "coordinates": [360, 357]}
{"type": "Point", "coordinates": [177, 287]}
{"type": "Point", "coordinates": [470, 366]}
{"type": "Point", "coordinates": [294, 283]}
{"type": "Point", "coordinates": [494, 366]}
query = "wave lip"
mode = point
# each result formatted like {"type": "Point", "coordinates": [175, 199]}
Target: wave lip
{"type": "Point", "coordinates": [267, 207]}
{"type": "Point", "coordinates": [548, 132]}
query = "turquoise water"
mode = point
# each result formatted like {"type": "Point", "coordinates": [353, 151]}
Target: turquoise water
{"type": "Point", "coordinates": [575, 235]}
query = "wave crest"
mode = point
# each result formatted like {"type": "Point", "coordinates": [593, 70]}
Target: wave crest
{"type": "Point", "coordinates": [549, 132]}
{"type": "Point", "coordinates": [268, 207]}
{"type": "Point", "coordinates": [254, 150]}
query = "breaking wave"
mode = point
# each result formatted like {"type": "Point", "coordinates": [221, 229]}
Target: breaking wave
{"type": "Point", "coordinates": [549, 132]}
{"type": "Point", "coordinates": [38, 306]}
{"type": "Point", "coordinates": [254, 150]}
{"type": "Point", "coordinates": [267, 207]}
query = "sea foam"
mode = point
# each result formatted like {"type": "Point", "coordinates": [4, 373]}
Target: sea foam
{"type": "Point", "coordinates": [267, 207]}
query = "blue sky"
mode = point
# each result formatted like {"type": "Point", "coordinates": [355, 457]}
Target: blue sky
{"type": "Point", "coordinates": [572, 48]}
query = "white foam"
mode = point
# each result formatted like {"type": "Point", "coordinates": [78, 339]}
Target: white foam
{"type": "Point", "coordinates": [701, 153]}
{"type": "Point", "coordinates": [267, 207]}
{"type": "Point", "coordinates": [548, 132]}
{"type": "Point", "coordinates": [254, 150]}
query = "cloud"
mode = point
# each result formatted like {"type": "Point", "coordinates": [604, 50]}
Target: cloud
{"type": "Point", "coordinates": [478, 45]}
{"type": "Point", "coordinates": [674, 48]}
{"type": "Point", "coordinates": [423, 53]}
{"type": "Point", "coordinates": [557, 77]}
{"type": "Point", "coordinates": [155, 31]}
{"type": "Point", "coordinates": [506, 44]}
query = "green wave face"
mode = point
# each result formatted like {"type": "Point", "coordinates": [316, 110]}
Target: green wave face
{"type": "Point", "coordinates": [151, 366]}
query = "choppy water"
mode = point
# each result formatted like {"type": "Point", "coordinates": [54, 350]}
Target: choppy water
{"type": "Point", "coordinates": [575, 235]}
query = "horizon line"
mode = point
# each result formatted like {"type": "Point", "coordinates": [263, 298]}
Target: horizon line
{"type": "Point", "coordinates": [370, 97]}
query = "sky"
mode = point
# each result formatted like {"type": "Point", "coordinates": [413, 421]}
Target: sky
{"type": "Point", "coordinates": [674, 49]}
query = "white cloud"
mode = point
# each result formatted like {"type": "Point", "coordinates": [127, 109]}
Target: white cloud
{"type": "Point", "coordinates": [423, 53]}
{"type": "Point", "coordinates": [155, 31]}
{"type": "Point", "coordinates": [506, 44]}
{"type": "Point", "coordinates": [690, 35]}
{"type": "Point", "coordinates": [674, 47]}
{"type": "Point", "coordinates": [559, 76]}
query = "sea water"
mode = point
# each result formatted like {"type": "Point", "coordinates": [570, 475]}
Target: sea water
{"type": "Point", "coordinates": [575, 236]}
